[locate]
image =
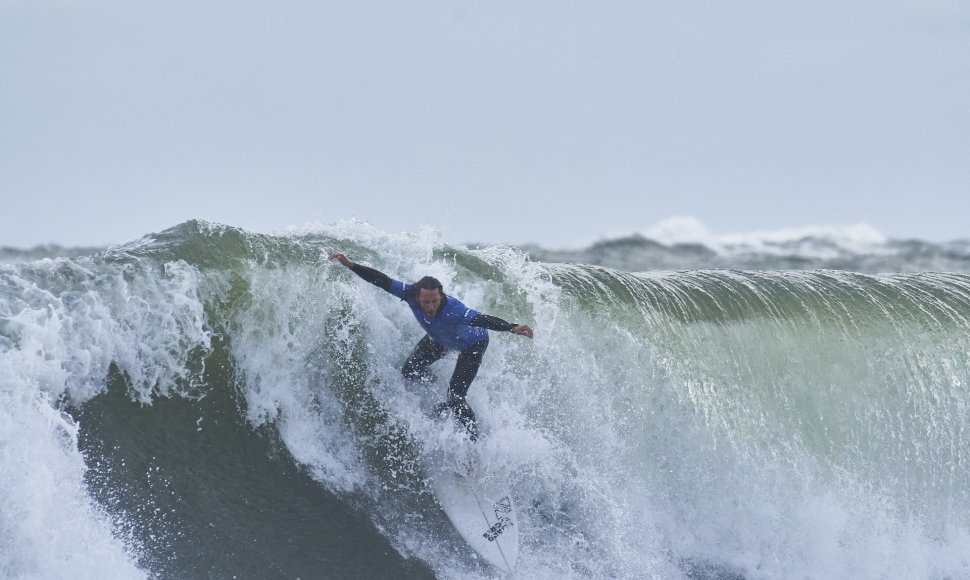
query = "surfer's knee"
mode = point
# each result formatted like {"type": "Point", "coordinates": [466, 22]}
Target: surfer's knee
{"type": "Point", "coordinates": [409, 371]}
{"type": "Point", "coordinates": [418, 373]}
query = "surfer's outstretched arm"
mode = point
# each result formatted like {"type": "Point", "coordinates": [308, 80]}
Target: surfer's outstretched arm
{"type": "Point", "coordinates": [342, 259]}
{"type": "Point", "coordinates": [375, 277]}
{"type": "Point", "coordinates": [496, 323]}
{"type": "Point", "coordinates": [383, 281]}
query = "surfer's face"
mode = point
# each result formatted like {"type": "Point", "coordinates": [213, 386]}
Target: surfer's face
{"type": "Point", "coordinates": [430, 302]}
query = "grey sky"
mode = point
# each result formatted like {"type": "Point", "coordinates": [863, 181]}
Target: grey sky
{"type": "Point", "coordinates": [546, 121]}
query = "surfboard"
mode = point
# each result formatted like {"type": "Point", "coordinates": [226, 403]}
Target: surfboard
{"type": "Point", "coordinates": [482, 511]}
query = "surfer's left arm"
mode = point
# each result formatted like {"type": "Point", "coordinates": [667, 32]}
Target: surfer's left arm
{"type": "Point", "coordinates": [496, 323]}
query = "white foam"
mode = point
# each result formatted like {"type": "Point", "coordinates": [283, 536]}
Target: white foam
{"type": "Point", "coordinates": [681, 230]}
{"type": "Point", "coordinates": [49, 527]}
{"type": "Point", "coordinates": [808, 241]}
{"type": "Point", "coordinates": [59, 344]}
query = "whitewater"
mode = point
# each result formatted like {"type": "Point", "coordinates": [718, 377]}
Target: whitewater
{"type": "Point", "coordinates": [207, 402]}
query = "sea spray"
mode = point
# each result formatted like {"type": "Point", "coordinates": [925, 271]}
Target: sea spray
{"type": "Point", "coordinates": [808, 421]}
{"type": "Point", "coordinates": [246, 393]}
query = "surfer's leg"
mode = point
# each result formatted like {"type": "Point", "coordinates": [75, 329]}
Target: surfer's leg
{"type": "Point", "coordinates": [425, 352]}
{"type": "Point", "coordinates": [467, 368]}
{"type": "Point", "coordinates": [465, 371]}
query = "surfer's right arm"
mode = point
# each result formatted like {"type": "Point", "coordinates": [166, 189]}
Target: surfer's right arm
{"type": "Point", "coordinates": [375, 277]}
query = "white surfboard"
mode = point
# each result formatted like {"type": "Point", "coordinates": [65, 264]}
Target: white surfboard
{"type": "Point", "coordinates": [482, 511]}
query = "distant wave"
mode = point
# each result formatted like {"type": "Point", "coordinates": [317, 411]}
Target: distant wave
{"type": "Point", "coordinates": [12, 254]}
{"type": "Point", "coordinates": [686, 244]}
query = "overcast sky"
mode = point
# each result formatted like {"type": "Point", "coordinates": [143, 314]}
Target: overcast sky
{"type": "Point", "coordinates": [547, 121]}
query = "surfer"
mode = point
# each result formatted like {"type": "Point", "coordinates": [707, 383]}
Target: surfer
{"type": "Point", "coordinates": [450, 325]}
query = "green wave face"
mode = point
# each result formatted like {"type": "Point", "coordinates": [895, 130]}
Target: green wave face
{"type": "Point", "coordinates": [720, 422]}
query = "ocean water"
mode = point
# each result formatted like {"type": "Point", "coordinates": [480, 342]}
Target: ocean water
{"type": "Point", "coordinates": [207, 402]}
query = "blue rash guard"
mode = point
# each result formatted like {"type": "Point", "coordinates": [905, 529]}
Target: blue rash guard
{"type": "Point", "coordinates": [451, 328]}
{"type": "Point", "coordinates": [456, 326]}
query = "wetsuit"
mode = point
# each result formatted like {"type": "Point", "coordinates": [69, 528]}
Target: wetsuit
{"type": "Point", "coordinates": [456, 327]}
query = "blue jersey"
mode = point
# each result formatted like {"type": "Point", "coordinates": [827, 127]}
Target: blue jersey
{"type": "Point", "coordinates": [451, 328]}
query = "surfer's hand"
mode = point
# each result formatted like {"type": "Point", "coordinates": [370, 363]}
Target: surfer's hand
{"type": "Point", "coordinates": [342, 259]}
{"type": "Point", "coordinates": [522, 330]}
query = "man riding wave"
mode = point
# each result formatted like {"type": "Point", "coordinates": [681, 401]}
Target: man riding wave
{"type": "Point", "coordinates": [450, 325]}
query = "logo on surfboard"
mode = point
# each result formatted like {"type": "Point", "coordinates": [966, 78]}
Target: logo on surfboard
{"type": "Point", "coordinates": [502, 508]}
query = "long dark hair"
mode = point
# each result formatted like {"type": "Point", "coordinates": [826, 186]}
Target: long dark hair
{"type": "Point", "coordinates": [426, 283]}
